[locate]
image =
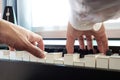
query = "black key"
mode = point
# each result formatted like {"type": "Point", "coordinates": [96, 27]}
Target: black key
{"type": "Point", "coordinates": [90, 51]}
{"type": "Point", "coordinates": [119, 52]}
{"type": "Point", "coordinates": [82, 52]}
{"type": "Point", "coordinates": [109, 52]}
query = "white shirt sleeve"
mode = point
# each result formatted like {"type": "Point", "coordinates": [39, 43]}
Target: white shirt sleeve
{"type": "Point", "coordinates": [88, 14]}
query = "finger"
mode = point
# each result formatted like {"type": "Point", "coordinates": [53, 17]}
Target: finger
{"type": "Point", "coordinates": [100, 46]}
{"type": "Point", "coordinates": [101, 40]}
{"type": "Point", "coordinates": [39, 41]}
{"type": "Point", "coordinates": [105, 43]}
{"type": "Point", "coordinates": [89, 42]}
{"type": "Point", "coordinates": [102, 43]}
{"type": "Point", "coordinates": [35, 50]}
{"type": "Point", "coordinates": [41, 44]}
{"type": "Point", "coordinates": [34, 43]}
{"type": "Point", "coordinates": [11, 48]}
{"type": "Point", "coordinates": [81, 42]}
{"type": "Point", "coordinates": [70, 44]}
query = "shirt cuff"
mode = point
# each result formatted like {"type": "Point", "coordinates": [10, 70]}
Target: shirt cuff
{"type": "Point", "coordinates": [84, 27]}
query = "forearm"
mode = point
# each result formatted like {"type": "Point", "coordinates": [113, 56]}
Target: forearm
{"type": "Point", "coordinates": [1, 32]}
{"type": "Point", "coordinates": [4, 31]}
{"type": "Point", "coordinates": [0, 27]}
{"type": "Point", "coordinates": [3, 26]}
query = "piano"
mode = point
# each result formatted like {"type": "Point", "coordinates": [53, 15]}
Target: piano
{"type": "Point", "coordinates": [28, 70]}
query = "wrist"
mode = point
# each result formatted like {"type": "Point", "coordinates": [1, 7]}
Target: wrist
{"type": "Point", "coordinates": [84, 27]}
{"type": "Point", "coordinates": [97, 26]}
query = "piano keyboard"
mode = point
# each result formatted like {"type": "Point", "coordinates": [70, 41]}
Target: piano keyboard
{"type": "Point", "coordinates": [21, 65]}
{"type": "Point", "coordinates": [90, 60]}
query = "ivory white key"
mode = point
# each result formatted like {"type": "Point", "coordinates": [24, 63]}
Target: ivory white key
{"type": "Point", "coordinates": [1, 54]}
{"type": "Point", "coordinates": [6, 54]}
{"type": "Point", "coordinates": [59, 61]}
{"type": "Point", "coordinates": [26, 55]}
{"type": "Point", "coordinates": [79, 62]}
{"type": "Point", "coordinates": [90, 60]}
{"type": "Point", "coordinates": [19, 55]}
{"type": "Point", "coordinates": [33, 58]}
{"type": "Point", "coordinates": [102, 62]}
{"type": "Point", "coordinates": [69, 58]}
{"type": "Point", "coordinates": [50, 57]}
{"type": "Point", "coordinates": [12, 55]}
{"type": "Point", "coordinates": [114, 62]}
{"type": "Point", "coordinates": [115, 54]}
{"type": "Point", "coordinates": [43, 60]}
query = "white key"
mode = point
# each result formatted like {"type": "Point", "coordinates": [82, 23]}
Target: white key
{"type": "Point", "coordinates": [12, 55]}
{"type": "Point", "coordinates": [26, 56]}
{"type": "Point", "coordinates": [36, 59]}
{"type": "Point", "coordinates": [6, 54]}
{"type": "Point", "coordinates": [19, 55]}
{"type": "Point", "coordinates": [114, 62]}
{"type": "Point", "coordinates": [79, 62]}
{"type": "Point", "coordinates": [42, 60]}
{"type": "Point", "coordinates": [59, 61]}
{"type": "Point", "coordinates": [69, 58]}
{"type": "Point", "coordinates": [115, 54]}
{"type": "Point", "coordinates": [50, 57]}
{"type": "Point", "coordinates": [102, 62]}
{"type": "Point", "coordinates": [1, 54]}
{"type": "Point", "coordinates": [33, 58]}
{"type": "Point", "coordinates": [90, 60]}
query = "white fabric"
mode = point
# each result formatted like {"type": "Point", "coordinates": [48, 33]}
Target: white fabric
{"type": "Point", "coordinates": [85, 13]}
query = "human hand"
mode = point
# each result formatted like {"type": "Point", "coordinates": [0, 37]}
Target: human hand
{"type": "Point", "coordinates": [20, 38]}
{"type": "Point", "coordinates": [100, 36]}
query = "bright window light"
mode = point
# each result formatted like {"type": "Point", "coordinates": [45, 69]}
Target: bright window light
{"type": "Point", "coordinates": [53, 15]}
{"type": "Point", "coordinates": [113, 21]}
{"type": "Point", "coordinates": [50, 13]}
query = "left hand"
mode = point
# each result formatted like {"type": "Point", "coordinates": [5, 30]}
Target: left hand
{"type": "Point", "coordinates": [73, 34]}
{"type": "Point", "coordinates": [20, 38]}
